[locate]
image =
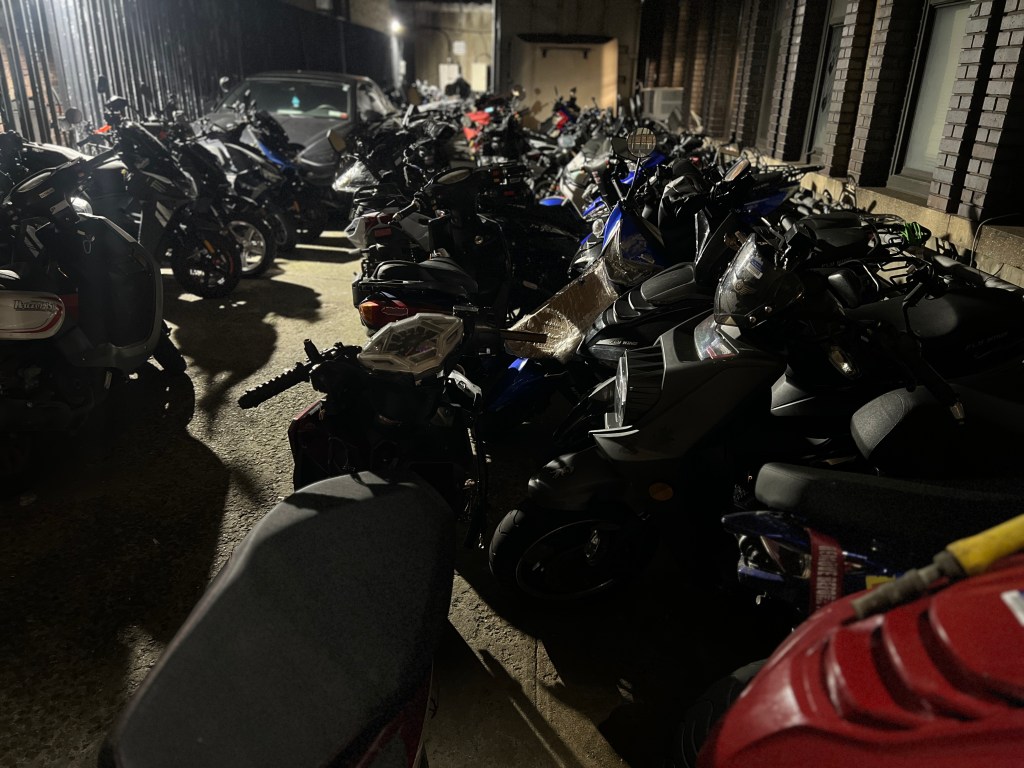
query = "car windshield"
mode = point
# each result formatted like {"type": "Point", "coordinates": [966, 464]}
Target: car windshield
{"type": "Point", "coordinates": [285, 97]}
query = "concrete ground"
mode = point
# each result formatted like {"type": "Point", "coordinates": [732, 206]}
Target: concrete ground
{"type": "Point", "coordinates": [104, 551]}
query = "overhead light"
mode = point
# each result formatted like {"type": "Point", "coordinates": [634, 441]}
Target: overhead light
{"type": "Point", "coordinates": [396, 27]}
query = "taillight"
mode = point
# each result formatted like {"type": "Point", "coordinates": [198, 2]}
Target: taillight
{"type": "Point", "coordinates": [376, 313]}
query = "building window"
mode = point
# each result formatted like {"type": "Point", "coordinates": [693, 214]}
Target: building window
{"type": "Point", "coordinates": [935, 73]}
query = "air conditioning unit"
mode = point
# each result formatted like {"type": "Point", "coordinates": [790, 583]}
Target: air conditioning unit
{"type": "Point", "coordinates": [660, 102]}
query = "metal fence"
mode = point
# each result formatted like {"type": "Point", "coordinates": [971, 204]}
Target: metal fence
{"type": "Point", "coordinates": [53, 51]}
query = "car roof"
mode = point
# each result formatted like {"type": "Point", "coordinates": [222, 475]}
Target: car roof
{"type": "Point", "coordinates": [305, 74]}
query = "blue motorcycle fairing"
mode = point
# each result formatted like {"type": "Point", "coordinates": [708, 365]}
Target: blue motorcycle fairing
{"type": "Point", "coordinates": [598, 203]}
{"type": "Point", "coordinates": [553, 200]}
{"type": "Point", "coordinates": [654, 159]}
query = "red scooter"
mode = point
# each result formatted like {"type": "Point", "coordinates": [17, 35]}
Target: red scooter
{"type": "Point", "coordinates": [922, 672]}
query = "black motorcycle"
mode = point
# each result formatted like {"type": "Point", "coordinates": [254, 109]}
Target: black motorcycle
{"type": "Point", "coordinates": [158, 199]}
{"type": "Point", "coordinates": [774, 372]}
{"type": "Point", "coordinates": [314, 644]}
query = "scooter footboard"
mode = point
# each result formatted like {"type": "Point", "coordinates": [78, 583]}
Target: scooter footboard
{"type": "Point", "coordinates": [315, 635]}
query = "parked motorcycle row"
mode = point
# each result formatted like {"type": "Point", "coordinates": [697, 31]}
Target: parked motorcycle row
{"type": "Point", "coordinates": [792, 390]}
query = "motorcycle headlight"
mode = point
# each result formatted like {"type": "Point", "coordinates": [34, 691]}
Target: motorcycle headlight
{"type": "Point", "coordinates": [638, 380]}
{"type": "Point", "coordinates": [188, 185]}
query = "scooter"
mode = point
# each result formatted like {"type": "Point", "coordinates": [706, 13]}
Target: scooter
{"type": "Point", "coordinates": [313, 645]}
{"type": "Point", "coordinates": [921, 671]}
{"type": "Point", "coordinates": [80, 303]}
{"type": "Point", "coordinates": [689, 418]}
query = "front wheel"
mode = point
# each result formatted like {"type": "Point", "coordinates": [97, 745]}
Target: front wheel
{"type": "Point", "coordinates": [208, 264]}
{"type": "Point", "coordinates": [552, 555]}
{"type": "Point", "coordinates": [256, 240]}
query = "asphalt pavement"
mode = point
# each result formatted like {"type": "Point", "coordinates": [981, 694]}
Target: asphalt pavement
{"type": "Point", "coordinates": [107, 545]}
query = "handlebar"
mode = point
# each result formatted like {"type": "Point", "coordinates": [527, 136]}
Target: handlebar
{"type": "Point", "coordinates": [284, 381]}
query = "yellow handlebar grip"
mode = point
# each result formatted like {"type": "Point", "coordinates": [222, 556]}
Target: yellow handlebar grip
{"type": "Point", "coordinates": [978, 552]}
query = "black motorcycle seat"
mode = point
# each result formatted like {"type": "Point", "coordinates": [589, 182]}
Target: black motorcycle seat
{"type": "Point", "coordinates": [322, 623]}
{"type": "Point", "coordinates": [438, 273]}
{"type": "Point", "coordinates": [839, 236]}
{"type": "Point", "coordinates": [884, 508]}
{"type": "Point", "coordinates": [671, 286]}
{"type": "Point", "coordinates": [973, 276]}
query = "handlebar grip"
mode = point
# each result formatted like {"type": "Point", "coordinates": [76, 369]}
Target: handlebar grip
{"type": "Point", "coordinates": [275, 386]}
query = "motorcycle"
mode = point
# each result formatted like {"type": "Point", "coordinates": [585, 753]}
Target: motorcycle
{"type": "Point", "coordinates": [161, 202]}
{"type": "Point", "coordinates": [916, 672]}
{"type": "Point", "coordinates": [81, 302]}
{"type": "Point", "coordinates": [685, 421]}
{"type": "Point", "coordinates": [314, 643]}
{"type": "Point", "coordinates": [247, 221]}
{"type": "Point", "coordinates": [399, 402]}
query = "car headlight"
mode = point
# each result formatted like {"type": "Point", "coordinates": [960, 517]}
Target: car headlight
{"type": "Point", "coordinates": [638, 381]}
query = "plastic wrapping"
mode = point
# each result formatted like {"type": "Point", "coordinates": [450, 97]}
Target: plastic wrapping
{"type": "Point", "coordinates": [566, 316]}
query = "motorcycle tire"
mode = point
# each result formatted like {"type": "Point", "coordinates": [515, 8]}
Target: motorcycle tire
{"type": "Point", "coordinates": [208, 265]}
{"type": "Point", "coordinates": [168, 355]}
{"type": "Point", "coordinates": [285, 234]}
{"type": "Point", "coordinates": [701, 716]}
{"type": "Point", "coordinates": [561, 556]}
{"type": "Point", "coordinates": [256, 240]}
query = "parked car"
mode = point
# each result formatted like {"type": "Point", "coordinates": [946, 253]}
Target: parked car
{"type": "Point", "coordinates": [307, 104]}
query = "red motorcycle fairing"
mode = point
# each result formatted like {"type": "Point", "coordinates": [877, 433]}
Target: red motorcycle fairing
{"type": "Point", "coordinates": [935, 683]}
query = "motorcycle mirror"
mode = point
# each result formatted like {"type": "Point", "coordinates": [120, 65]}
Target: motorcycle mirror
{"type": "Point", "coordinates": [73, 115]}
{"type": "Point", "coordinates": [640, 143]}
{"type": "Point", "coordinates": [117, 104]}
{"type": "Point", "coordinates": [225, 84]}
{"type": "Point", "coordinates": [102, 85]}
{"type": "Point", "coordinates": [336, 138]}
{"type": "Point", "coordinates": [737, 169]}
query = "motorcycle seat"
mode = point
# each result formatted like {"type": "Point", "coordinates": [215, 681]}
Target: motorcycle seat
{"type": "Point", "coordinates": [320, 626]}
{"type": "Point", "coordinates": [671, 286]}
{"type": "Point", "coordinates": [883, 508]}
{"type": "Point", "coordinates": [438, 273]}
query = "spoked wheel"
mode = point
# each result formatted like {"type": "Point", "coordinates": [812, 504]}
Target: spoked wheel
{"type": "Point", "coordinates": [552, 555]}
{"type": "Point", "coordinates": [208, 265]}
{"type": "Point", "coordinates": [257, 241]}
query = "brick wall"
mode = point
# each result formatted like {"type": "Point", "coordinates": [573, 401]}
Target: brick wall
{"type": "Point", "coordinates": [718, 104]}
{"type": "Point", "coordinates": [887, 71]}
{"type": "Point", "coordinates": [757, 19]}
{"type": "Point", "coordinates": [698, 39]}
{"type": "Point", "coordinates": [847, 86]}
{"type": "Point", "coordinates": [977, 173]}
{"type": "Point", "coordinates": [797, 70]}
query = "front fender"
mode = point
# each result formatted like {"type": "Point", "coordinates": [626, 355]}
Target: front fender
{"type": "Point", "coordinates": [573, 481]}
